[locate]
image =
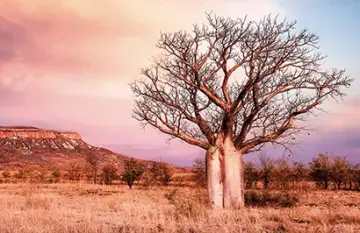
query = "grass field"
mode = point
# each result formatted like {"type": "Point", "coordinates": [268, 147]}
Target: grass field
{"type": "Point", "coordinates": [72, 208]}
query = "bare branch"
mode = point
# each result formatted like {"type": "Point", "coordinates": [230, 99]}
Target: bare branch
{"type": "Point", "coordinates": [252, 81]}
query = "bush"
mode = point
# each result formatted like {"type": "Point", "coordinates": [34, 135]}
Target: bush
{"type": "Point", "coordinates": [297, 172]}
{"type": "Point", "coordinates": [20, 174]}
{"type": "Point", "coordinates": [339, 171]}
{"type": "Point", "coordinates": [56, 175]}
{"type": "Point", "coordinates": [320, 171]}
{"type": "Point", "coordinates": [75, 172]}
{"type": "Point", "coordinates": [267, 198]}
{"type": "Point", "coordinates": [200, 172]}
{"type": "Point", "coordinates": [355, 176]}
{"type": "Point", "coordinates": [6, 174]}
{"type": "Point", "coordinates": [109, 174]}
{"type": "Point", "coordinates": [131, 173]}
{"type": "Point", "coordinates": [251, 175]}
{"type": "Point", "coordinates": [162, 173]}
{"type": "Point", "coordinates": [282, 173]}
{"type": "Point", "coordinates": [266, 169]}
{"type": "Point", "coordinates": [92, 158]}
{"type": "Point", "coordinates": [334, 169]}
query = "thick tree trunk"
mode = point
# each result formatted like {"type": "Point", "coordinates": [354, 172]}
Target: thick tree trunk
{"type": "Point", "coordinates": [214, 178]}
{"type": "Point", "coordinates": [225, 181]}
{"type": "Point", "coordinates": [233, 182]}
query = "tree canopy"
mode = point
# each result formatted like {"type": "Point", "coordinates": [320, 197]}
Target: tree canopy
{"type": "Point", "coordinates": [254, 81]}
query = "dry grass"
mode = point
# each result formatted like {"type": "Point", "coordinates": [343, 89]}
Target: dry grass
{"type": "Point", "coordinates": [65, 208]}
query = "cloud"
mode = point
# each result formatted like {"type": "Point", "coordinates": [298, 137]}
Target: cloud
{"type": "Point", "coordinates": [89, 36]}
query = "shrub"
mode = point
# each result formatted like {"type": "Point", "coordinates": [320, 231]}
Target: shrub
{"type": "Point", "coordinates": [55, 175]}
{"type": "Point", "coordinates": [6, 174]}
{"type": "Point", "coordinates": [20, 174]}
{"type": "Point", "coordinates": [282, 173]}
{"type": "Point", "coordinates": [297, 172]}
{"type": "Point", "coordinates": [75, 172]}
{"type": "Point", "coordinates": [251, 175]}
{"type": "Point", "coordinates": [131, 173]}
{"type": "Point", "coordinates": [355, 176]}
{"type": "Point", "coordinates": [266, 168]}
{"type": "Point", "coordinates": [339, 170]}
{"type": "Point", "coordinates": [320, 171]}
{"type": "Point", "coordinates": [32, 173]}
{"type": "Point", "coordinates": [93, 160]}
{"type": "Point", "coordinates": [267, 198]}
{"type": "Point", "coordinates": [147, 178]}
{"type": "Point", "coordinates": [109, 174]}
{"type": "Point", "coordinates": [200, 172]}
{"type": "Point", "coordinates": [162, 173]}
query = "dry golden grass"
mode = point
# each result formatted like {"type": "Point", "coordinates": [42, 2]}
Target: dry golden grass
{"type": "Point", "coordinates": [65, 208]}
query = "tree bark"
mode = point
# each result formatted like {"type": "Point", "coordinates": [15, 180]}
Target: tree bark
{"type": "Point", "coordinates": [234, 177]}
{"type": "Point", "coordinates": [214, 178]}
{"type": "Point", "coordinates": [225, 182]}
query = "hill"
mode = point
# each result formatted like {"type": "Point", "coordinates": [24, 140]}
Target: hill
{"type": "Point", "coordinates": [24, 145]}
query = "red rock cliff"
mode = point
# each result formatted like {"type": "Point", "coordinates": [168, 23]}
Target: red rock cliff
{"type": "Point", "coordinates": [35, 133]}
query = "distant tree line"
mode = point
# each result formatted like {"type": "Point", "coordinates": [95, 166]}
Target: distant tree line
{"type": "Point", "coordinates": [156, 173]}
{"type": "Point", "coordinates": [324, 172]}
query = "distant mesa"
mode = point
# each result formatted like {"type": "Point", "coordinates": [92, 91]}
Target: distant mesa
{"type": "Point", "coordinates": [35, 133]}
{"type": "Point", "coordinates": [25, 145]}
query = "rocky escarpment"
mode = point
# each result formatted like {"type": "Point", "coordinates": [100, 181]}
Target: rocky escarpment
{"type": "Point", "coordinates": [27, 138]}
{"type": "Point", "coordinates": [22, 145]}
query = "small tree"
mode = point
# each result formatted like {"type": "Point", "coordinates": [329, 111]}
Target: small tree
{"type": "Point", "coordinates": [6, 174]}
{"type": "Point", "coordinates": [132, 172]}
{"type": "Point", "coordinates": [297, 172]}
{"type": "Point", "coordinates": [21, 174]}
{"type": "Point", "coordinates": [147, 177]}
{"type": "Point", "coordinates": [75, 172]}
{"type": "Point", "coordinates": [282, 173]}
{"type": "Point", "coordinates": [339, 170]}
{"type": "Point", "coordinates": [251, 175]}
{"type": "Point", "coordinates": [200, 172]}
{"type": "Point", "coordinates": [353, 175]}
{"type": "Point", "coordinates": [320, 171]}
{"type": "Point", "coordinates": [109, 173]}
{"type": "Point", "coordinates": [93, 160]}
{"type": "Point", "coordinates": [162, 173]}
{"type": "Point", "coordinates": [266, 168]}
{"type": "Point", "coordinates": [356, 176]}
{"type": "Point", "coordinates": [56, 175]}
{"type": "Point", "coordinates": [34, 173]}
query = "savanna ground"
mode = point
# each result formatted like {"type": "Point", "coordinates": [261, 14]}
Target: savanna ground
{"type": "Point", "coordinates": [66, 208]}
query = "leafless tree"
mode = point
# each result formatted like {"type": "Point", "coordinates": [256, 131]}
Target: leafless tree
{"type": "Point", "coordinates": [93, 159]}
{"type": "Point", "coordinates": [267, 169]}
{"type": "Point", "coordinates": [232, 86]}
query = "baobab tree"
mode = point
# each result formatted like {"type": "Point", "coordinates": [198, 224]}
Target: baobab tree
{"type": "Point", "coordinates": [232, 86]}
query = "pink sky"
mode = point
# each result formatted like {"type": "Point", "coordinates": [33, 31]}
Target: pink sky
{"type": "Point", "coordinates": [67, 65]}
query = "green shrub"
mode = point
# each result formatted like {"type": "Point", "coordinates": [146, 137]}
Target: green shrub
{"type": "Point", "coordinates": [131, 173]}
